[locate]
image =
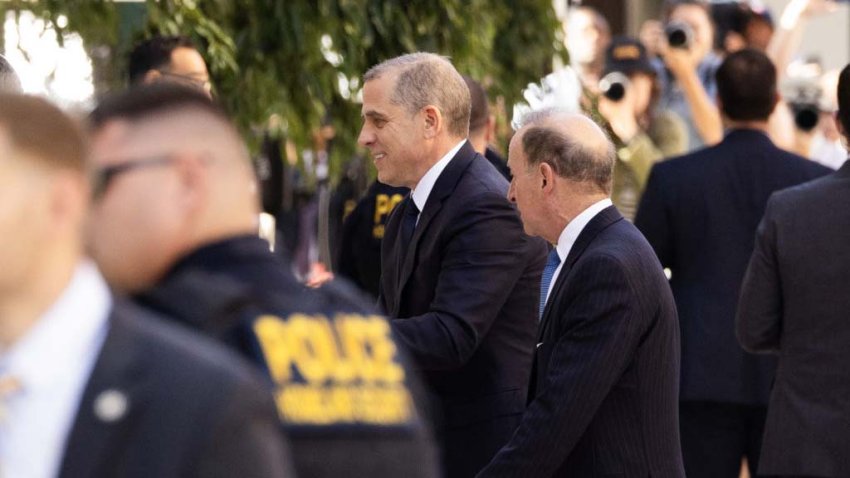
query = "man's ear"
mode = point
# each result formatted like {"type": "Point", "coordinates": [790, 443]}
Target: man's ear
{"type": "Point", "coordinates": [840, 126]}
{"type": "Point", "coordinates": [151, 76]}
{"type": "Point", "coordinates": [193, 175]}
{"type": "Point", "coordinates": [490, 131]}
{"type": "Point", "coordinates": [433, 120]}
{"type": "Point", "coordinates": [547, 177]}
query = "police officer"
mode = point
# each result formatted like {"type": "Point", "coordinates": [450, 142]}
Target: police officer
{"type": "Point", "coordinates": [174, 224]}
{"type": "Point", "coordinates": [359, 254]}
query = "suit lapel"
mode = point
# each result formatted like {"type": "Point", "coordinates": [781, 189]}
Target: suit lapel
{"type": "Point", "coordinates": [111, 402]}
{"type": "Point", "coordinates": [443, 188]}
{"type": "Point", "coordinates": [605, 218]}
{"type": "Point", "coordinates": [844, 170]}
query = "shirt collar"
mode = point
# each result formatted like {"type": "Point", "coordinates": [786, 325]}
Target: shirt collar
{"type": "Point", "coordinates": [571, 232]}
{"type": "Point", "coordinates": [65, 333]}
{"type": "Point", "coordinates": [426, 184]}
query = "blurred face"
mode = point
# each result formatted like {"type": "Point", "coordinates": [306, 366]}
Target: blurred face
{"type": "Point", "coordinates": [393, 136]}
{"type": "Point", "coordinates": [697, 18]}
{"type": "Point", "coordinates": [188, 67]}
{"type": "Point", "coordinates": [24, 217]}
{"type": "Point", "coordinates": [137, 220]}
{"type": "Point", "coordinates": [641, 85]}
{"type": "Point", "coordinates": [586, 41]}
{"type": "Point", "coordinates": [525, 189]}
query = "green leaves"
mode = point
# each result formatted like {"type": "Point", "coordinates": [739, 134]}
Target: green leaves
{"type": "Point", "coordinates": [267, 57]}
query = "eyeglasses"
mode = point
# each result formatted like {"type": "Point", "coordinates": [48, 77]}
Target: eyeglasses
{"type": "Point", "coordinates": [202, 84]}
{"type": "Point", "coordinates": [105, 175]}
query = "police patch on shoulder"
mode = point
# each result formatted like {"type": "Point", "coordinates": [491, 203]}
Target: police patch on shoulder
{"type": "Point", "coordinates": [344, 371]}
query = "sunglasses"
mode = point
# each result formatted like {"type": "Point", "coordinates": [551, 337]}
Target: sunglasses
{"type": "Point", "coordinates": [104, 176]}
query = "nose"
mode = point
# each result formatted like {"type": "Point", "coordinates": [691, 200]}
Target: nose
{"type": "Point", "coordinates": [511, 192]}
{"type": "Point", "coordinates": [366, 136]}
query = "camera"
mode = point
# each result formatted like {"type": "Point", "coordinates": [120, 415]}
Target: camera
{"type": "Point", "coordinates": [804, 97]}
{"type": "Point", "coordinates": [679, 35]}
{"type": "Point", "coordinates": [613, 85]}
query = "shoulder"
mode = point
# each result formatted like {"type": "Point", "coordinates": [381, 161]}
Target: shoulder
{"type": "Point", "coordinates": [804, 195]}
{"type": "Point", "coordinates": [621, 247]}
{"type": "Point", "coordinates": [671, 169]}
{"type": "Point", "coordinates": [176, 353]}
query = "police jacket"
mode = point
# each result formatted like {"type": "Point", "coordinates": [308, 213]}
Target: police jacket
{"type": "Point", "coordinates": [344, 395]}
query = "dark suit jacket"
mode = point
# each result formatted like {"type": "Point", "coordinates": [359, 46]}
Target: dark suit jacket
{"type": "Point", "coordinates": [795, 302]}
{"type": "Point", "coordinates": [193, 409]}
{"type": "Point", "coordinates": [699, 212]}
{"type": "Point", "coordinates": [605, 381]}
{"type": "Point", "coordinates": [464, 299]}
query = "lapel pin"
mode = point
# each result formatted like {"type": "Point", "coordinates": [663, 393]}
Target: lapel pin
{"type": "Point", "coordinates": [110, 406]}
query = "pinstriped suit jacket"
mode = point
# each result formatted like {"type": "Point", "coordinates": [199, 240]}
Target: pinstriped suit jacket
{"type": "Point", "coordinates": [604, 389]}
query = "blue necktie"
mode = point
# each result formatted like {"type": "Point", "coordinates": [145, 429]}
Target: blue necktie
{"type": "Point", "coordinates": [552, 263]}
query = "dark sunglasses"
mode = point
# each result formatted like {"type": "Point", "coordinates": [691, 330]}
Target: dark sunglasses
{"type": "Point", "coordinates": [104, 176]}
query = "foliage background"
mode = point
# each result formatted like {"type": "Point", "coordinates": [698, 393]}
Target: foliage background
{"type": "Point", "coordinates": [291, 66]}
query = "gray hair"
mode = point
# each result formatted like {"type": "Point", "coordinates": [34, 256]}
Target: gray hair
{"type": "Point", "coordinates": [428, 79]}
{"type": "Point", "coordinates": [574, 157]}
{"type": "Point", "coordinates": [9, 82]}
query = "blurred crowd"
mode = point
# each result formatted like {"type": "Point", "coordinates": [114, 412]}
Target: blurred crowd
{"type": "Point", "coordinates": [649, 280]}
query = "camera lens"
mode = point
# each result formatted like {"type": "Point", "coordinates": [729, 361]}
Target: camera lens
{"type": "Point", "coordinates": [806, 117]}
{"type": "Point", "coordinates": [679, 35]}
{"type": "Point", "coordinates": [613, 85]}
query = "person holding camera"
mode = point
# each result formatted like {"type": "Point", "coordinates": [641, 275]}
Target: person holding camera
{"type": "Point", "coordinates": [627, 91]}
{"type": "Point", "coordinates": [686, 65]}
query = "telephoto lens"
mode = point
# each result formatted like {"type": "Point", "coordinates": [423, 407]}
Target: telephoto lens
{"type": "Point", "coordinates": [806, 115]}
{"type": "Point", "coordinates": [613, 85]}
{"type": "Point", "coordinates": [679, 35]}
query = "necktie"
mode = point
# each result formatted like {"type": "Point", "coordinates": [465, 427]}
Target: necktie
{"type": "Point", "coordinates": [552, 263]}
{"type": "Point", "coordinates": [408, 222]}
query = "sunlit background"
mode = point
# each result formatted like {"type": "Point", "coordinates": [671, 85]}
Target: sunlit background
{"type": "Point", "coordinates": [61, 72]}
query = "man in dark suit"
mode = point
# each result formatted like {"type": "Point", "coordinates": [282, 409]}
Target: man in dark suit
{"type": "Point", "coordinates": [794, 303]}
{"type": "Point", "coordinates": [605, 379]}
{"type": "Point", "coordinates": [699, 212]}
{"type": "Point", "coordinates": [89, 385]}
{"type": "Point", "coordinates": [459, 278]}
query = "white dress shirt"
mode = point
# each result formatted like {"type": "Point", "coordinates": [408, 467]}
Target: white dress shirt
{"type": "Point", "coordinates": [52, 362]}
{"type": "Point", "coordinates": [570, 234]}
{"type": "Point", "coordinates": [423, 188]}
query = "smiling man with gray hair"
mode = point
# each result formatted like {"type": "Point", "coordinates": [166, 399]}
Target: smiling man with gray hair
{"type": "Point", "coordinates": [604, 388]}
{"type": "Point", "coordinates": [459, 277]}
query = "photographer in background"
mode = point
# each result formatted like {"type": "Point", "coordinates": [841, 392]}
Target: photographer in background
{"type": "Point", "coordinates": [811, 102]}
{"type": "Point", "coordinates": [686, 65]}
{"type": "Point", "coordinates": [627, 91]}
{"type": "Point", "coordinates": [587, 34]}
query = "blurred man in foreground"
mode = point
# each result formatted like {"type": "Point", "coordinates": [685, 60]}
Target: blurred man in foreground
{"type": "Point", "coordinates": [90, 385]}
{"type": "Point", "coordinates": [174, 224]}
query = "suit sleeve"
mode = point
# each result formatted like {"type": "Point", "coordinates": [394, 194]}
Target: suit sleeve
{"type": "Point", "coordinates": [247, 440]}
{"type": "Point", "coordinates": [758, 323]}
{"type": "Point", "coordinates": [485, 255]}
{"type": "Point", "coordinates": [653, 218]}
{"type": "Point", "coordinates": [600, 332]}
